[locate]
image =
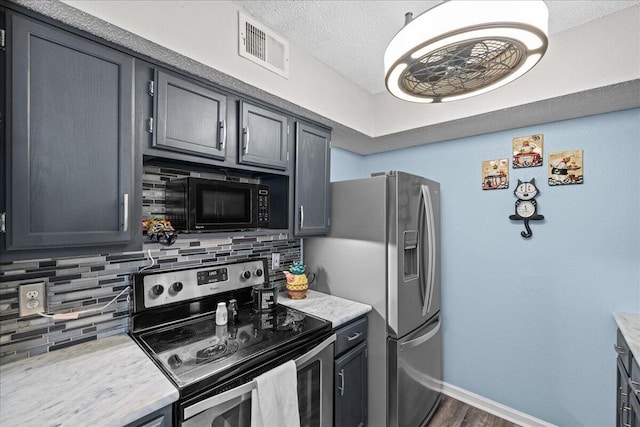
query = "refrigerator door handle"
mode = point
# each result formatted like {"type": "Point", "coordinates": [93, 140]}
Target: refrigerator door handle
{"type": "Point", "coordinates": [421, 339]}
{"type": "Point", "coordinates": [430, 224]}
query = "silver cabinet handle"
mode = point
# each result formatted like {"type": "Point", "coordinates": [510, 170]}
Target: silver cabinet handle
{"type": "Point", "coordinates": [223, 141]}
{"type": "Point", "coordinates": [246, 139]}
{"type": "Point", "coordinates": [341, 388]}
{"type": "Point", "coordinates": [125, 200]}
{"type": "Point", "coordinates": [619, 350]}
{"type": "Point", "coordinates": [301, 216]}
{"type": "Point", "coordinates": [354, 336]}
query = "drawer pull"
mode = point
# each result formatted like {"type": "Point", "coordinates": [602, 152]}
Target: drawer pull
{"type": "Point", "coordinates": [354, 336]}
{"type": "Point", "coordinates": [619, 350]}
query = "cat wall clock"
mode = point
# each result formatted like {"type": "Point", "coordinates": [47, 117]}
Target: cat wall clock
{"type": "Point", "coordinates": [526, 205]}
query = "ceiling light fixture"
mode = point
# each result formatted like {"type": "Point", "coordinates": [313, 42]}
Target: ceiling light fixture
{"type": "Point", "coordinates": [460, 49]}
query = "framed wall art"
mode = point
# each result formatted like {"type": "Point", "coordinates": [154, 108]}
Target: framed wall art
{"type": "Point", "coordinates": [566, 168]}
{"type": "Point", "coordinates": [495, 174]}
{"type": "Point", "coordinates": [527, 151]}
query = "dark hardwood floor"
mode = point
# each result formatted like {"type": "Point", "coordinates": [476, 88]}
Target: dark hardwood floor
{"type": "Point", "coordinates": [453, 413]}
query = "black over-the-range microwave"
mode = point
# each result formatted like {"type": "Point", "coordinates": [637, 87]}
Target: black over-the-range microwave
{"type": "Point", "coordinates": [199, 204]}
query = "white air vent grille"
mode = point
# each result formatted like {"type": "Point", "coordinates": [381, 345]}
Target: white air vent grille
{"type": "Point", "coordinates": [261, 45]}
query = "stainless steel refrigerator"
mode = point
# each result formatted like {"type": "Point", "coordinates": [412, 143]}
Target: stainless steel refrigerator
{"type": "Point", "coordinates": [383, 249]}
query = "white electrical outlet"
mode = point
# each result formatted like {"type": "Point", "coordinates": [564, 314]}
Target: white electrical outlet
{"type": "Point", "coordinates": [275, 260]}
{"type": "Point", "coordinates": [32, 299]}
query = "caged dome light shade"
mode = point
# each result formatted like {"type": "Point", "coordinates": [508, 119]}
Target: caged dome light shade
{"type": "Point", "coordinates": [460, 49]}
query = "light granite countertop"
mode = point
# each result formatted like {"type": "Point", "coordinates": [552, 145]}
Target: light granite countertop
{"type": "Point", "coordinates": [108, 382]}
{"type": "Point", "coordinates": [335, 309]}
{"type": "Point", "coordinates": [629, 325]}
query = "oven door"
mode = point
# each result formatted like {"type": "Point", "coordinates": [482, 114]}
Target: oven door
{"type": "Point", "coordinates": [315, 400]}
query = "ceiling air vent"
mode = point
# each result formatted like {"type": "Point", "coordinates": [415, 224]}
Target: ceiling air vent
{"type": "Point", "coordinates": [261, 45]}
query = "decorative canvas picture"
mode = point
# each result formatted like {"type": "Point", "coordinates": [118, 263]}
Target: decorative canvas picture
{"type": "Point", "coordinates": [527, 151]}
{"type": "Point", "coordinates": [566, 167]}
{"type": "Point", "coordinates": [495, 174]}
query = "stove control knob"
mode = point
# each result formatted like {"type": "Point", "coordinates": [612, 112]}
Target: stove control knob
{"type": "Point", "coordinates": [246, 275]}
{"type": "Point", "coordinates": [174, 361]}
{"type": "Point", "coordinates": [258, 272]}
{"type": "Point", "coordinates": [176, 287]}
{"type": "Point", "coordinates": [157, 290]}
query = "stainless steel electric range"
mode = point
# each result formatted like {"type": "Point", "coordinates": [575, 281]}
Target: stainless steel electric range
{"type": "Point", "coordinates": [213, 366]}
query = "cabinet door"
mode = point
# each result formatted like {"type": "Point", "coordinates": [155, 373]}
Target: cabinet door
{"type": "Point", "coordinates": [263, 138]}
{"type": "Point", "coordinates": [350, 393]}
{"type": "Point", "coordinates": [312, 180]}
{"type": "Point", "coordinates": [71, 142]}
{"type": "Point", "coordinates": [189, 118]}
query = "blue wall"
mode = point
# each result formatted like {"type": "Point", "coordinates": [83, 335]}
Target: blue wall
{"type": "Point", "coordinates": [346, 165]}
{"type": "Point", "coordinates": [528, 323]}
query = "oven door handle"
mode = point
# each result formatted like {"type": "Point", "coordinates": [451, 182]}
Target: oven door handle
{"type": "Point", "coordinates": [235, 395]}
{"type": "Point", "coordinates": [315, 351]}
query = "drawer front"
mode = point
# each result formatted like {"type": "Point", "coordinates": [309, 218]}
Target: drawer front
{"type": "Point", "coordinates": [351, 335]}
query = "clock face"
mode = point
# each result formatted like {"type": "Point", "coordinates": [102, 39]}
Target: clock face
{"type": "Point", "coordinates": [526, 191]}
{"type": "Point", "coordinates": [525, 209]}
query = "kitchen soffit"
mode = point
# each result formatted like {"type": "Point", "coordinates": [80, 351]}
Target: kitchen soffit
{"type": "Point", "coordinates": [351, 36]}
{"type": "Point", "coordinates": [339, 34]}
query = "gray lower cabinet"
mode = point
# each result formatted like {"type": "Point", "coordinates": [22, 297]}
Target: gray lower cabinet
{"type": "Point", "coordinates": [312, 173]}
{"type": "Point", "coordinates": [351, 375]}
{"type": "Point", "coordinates": [627, 386]}
{"type": "Point", "coordinates": [263, 138]}
{"type": "Point", "coordinates": [70, 161]}
{"type": "Point", "coordinates": [188, 117]}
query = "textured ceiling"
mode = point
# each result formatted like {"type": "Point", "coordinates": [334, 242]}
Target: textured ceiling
{"type": "Point", "coordinates": [351, 36]}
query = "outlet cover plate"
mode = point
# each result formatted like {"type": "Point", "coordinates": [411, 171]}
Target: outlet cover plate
{"type": "Point", "coordinates": [275, 260]}
{"type": "Point", "coordinates": [32, 298]}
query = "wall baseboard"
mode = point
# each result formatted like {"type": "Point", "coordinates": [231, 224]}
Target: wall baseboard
{"type": "Point", "coordinates": [493, 408]}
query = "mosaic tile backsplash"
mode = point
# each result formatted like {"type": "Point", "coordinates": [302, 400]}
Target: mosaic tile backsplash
{"type": "Point", "coordinates": [88, 282]}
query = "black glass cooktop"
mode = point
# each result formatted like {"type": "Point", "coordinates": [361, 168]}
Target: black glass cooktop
{"type": "Point", "coordinates": [194, 350]}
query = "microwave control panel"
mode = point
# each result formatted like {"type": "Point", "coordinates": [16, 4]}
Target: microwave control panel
{"type": "Point", "coordinates": [263, 206]}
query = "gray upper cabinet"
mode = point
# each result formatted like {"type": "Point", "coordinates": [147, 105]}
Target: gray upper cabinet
{"type": "Point", "coordinates": [189, 118]}
{"type": "Point", "coordinates": [70, 144]}
{"type": "Point", "coordinates": [263, 137]}
{"type": "Point", "coordinates": [312, 163]}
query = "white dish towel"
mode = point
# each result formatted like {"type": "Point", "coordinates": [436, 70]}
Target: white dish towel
{"type": "Point", "coordinates": [274, 401]}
